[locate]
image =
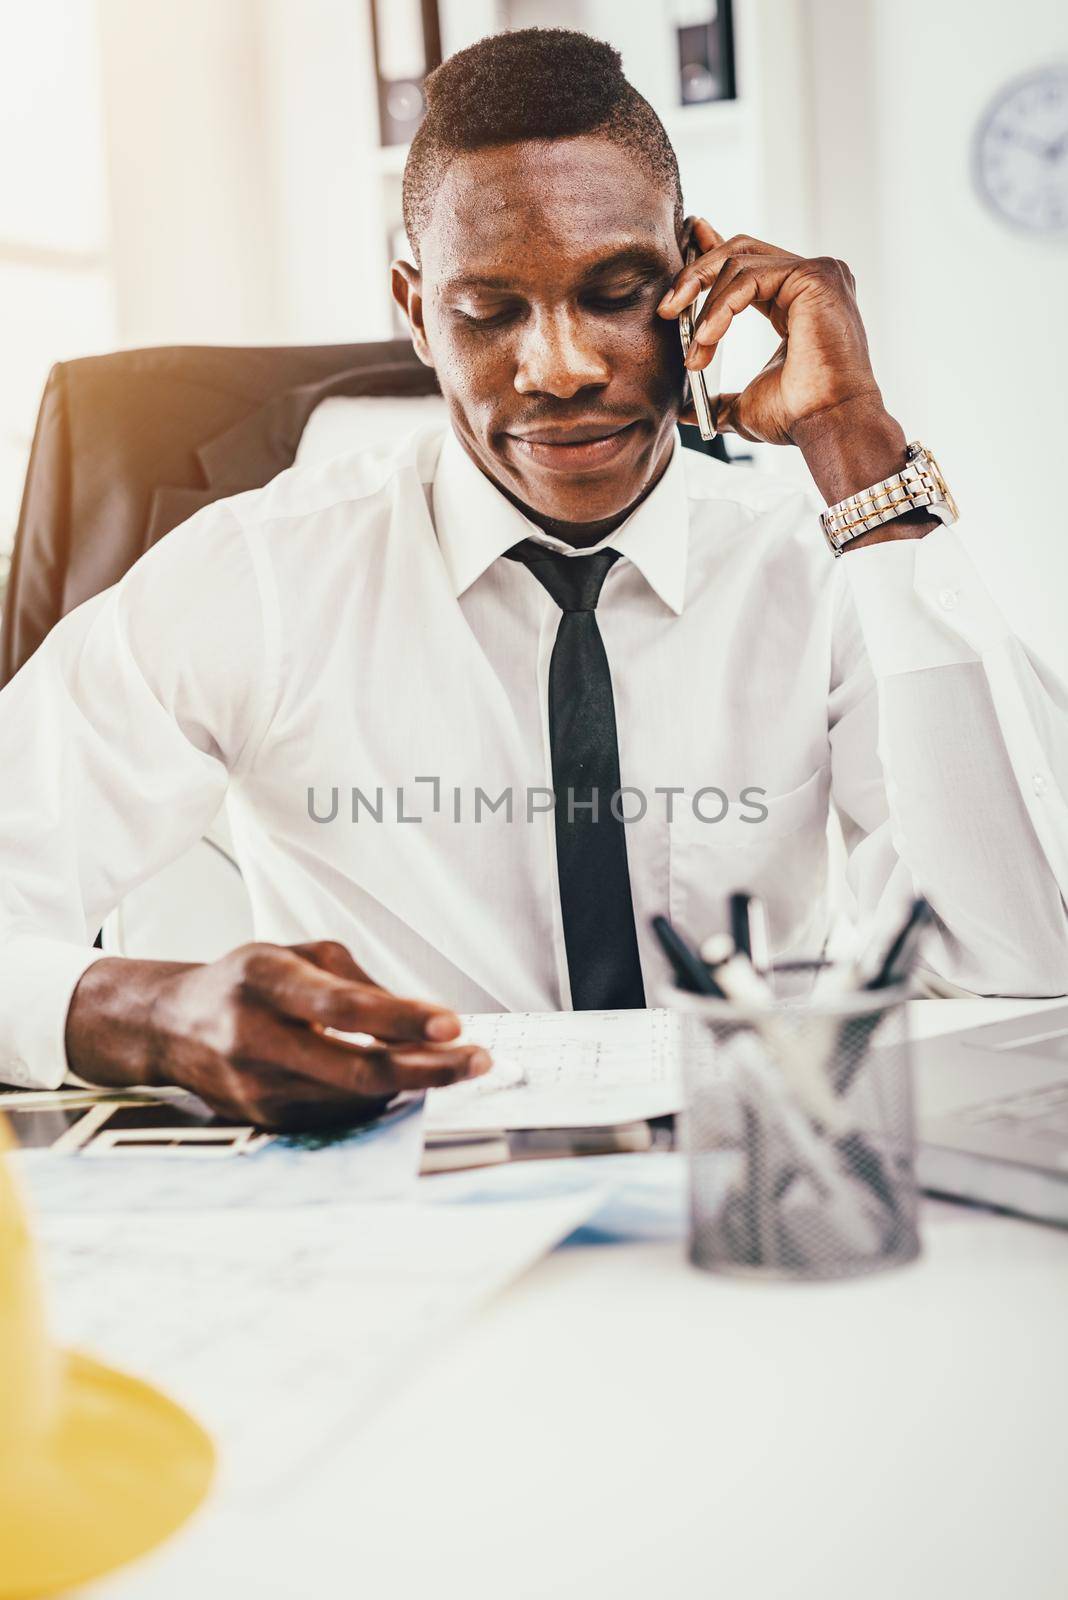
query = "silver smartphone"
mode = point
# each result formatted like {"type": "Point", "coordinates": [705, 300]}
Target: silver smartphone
{"type": "Point", "coordinates": [705, 384]}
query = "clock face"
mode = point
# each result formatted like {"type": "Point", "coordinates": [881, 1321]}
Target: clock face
{"type": "Point", "coordinates": [1021, 152]}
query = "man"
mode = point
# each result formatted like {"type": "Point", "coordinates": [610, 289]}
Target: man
{"type": "Point", "coordinates": [391, 663]}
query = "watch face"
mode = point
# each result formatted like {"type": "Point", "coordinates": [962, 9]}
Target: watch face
{"type": "Point", "coordinates": [1021, 152]}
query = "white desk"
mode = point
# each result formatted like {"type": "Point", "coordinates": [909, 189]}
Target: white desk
{"type": "Point", "coordinates": [619, 1425]}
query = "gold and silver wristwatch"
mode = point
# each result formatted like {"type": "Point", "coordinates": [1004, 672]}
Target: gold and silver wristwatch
{"type": "Point", "coordinates": [919, 486]}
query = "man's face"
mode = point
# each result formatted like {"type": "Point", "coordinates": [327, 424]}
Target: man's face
{"type": "Point", "coordinates": [542, 267]}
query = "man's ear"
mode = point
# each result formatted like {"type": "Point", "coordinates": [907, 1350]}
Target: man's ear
{"type": "Point", "coordinates": [407, 286]}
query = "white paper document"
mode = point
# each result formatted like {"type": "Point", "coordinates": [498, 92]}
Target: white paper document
{"type": "Point", "coordinates": [643, 1197]}
{"type": "Point", "coordinates": [568, 1069]}
{"type": "Point", "coordinates": [279, 1330]}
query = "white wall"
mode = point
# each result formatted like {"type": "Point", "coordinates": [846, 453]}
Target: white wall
{"type": "Point", "coordinates": [322, 117]}
{"type": "Point", "coordinates": [968, 319]}
{"type": "Point", "coordinates": [242, 165]}
{"type": "Point", "coordinates": [189, 179]}
{"type": "Point", "coordinates": [55, 275]}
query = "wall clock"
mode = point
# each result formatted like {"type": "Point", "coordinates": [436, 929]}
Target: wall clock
{"type": "Point", "coordinates": [1021, 152]}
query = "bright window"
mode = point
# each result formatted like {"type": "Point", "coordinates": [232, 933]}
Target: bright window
{"type": "Point", "coordinates": [55, 272]}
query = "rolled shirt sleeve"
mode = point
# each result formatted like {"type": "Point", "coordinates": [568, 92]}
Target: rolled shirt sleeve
{"type": "Point", "coordinates": [117, 739]}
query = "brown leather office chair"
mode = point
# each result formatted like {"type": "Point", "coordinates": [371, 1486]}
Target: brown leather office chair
{"type": "Point", "coordinates": [129, 445]}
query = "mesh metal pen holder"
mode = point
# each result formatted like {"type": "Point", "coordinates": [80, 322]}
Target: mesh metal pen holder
{"type": "Point", "coordinates": [800, 1137]}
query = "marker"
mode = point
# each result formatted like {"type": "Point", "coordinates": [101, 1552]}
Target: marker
{"type": "Point", "coordinates": [748, 920]}
{"type": "Point", "coordinates": [803, 1068]}
{"type": "Point", "coordinates": [901, 955]}
{"type": "Point", "coordinates": [894, 968]}
{"type": "Point", "coordinates": [735, 974]}
{"type": "Point", "coordinates": [691, 974]}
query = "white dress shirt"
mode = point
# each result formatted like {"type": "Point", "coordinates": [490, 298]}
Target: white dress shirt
{"type": "Point", "coordinates": [352, 626]}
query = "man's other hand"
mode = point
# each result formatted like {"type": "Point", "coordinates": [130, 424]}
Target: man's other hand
{"type": "Point", "coordinates": [248, 1034]}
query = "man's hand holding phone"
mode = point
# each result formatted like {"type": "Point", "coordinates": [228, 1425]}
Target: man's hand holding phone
{"type": "Point", "coordinates": [818, 390]}
{"type": "Point", "coordinates": [247, 1033]}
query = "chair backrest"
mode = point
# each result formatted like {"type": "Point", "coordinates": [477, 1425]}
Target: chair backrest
{"type": "Point", "coordinates": [129, 445]}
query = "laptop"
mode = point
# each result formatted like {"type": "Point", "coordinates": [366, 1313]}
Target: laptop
{"type": "Point", "coordinates": [992, 1114]}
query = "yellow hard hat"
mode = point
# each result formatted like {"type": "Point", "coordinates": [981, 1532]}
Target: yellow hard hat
{"type": "Point", "coordinates": [95, 1467]}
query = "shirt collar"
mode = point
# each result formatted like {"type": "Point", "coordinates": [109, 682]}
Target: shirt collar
{"type": "Point", "coordinates": [475, 524]}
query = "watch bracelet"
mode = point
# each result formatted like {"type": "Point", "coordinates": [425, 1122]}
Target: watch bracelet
{"type": "Point", "coordinates": [917, 485]}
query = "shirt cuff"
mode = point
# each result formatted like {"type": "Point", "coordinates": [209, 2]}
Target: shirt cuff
{"type": "Point", "coordinates": [921, 603]}
{"type": "Point", "coordinates": [37, 978]}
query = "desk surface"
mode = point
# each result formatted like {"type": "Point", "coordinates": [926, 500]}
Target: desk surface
{"type": "Point", "coordinates": [617, 1424]}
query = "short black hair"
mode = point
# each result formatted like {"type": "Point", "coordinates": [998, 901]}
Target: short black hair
{"type": "Point", "coordinates": [535, 83]}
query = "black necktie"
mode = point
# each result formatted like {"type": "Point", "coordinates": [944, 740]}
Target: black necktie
{"type": "Point", "coordinates": [591, 843]}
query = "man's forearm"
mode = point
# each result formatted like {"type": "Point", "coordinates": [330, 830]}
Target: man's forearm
{"type": "Point", "coordinates": [110, 1032]}
{"type": "Point", "coordinates": [851, 447]}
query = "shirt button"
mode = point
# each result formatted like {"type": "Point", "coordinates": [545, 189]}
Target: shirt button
{"type": "Point", "coordinates": [1039, 782]}
{"type": "Point", "coordinates": [947, 599]}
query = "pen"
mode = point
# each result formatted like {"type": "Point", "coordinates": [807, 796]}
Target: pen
{"type": "Point", "coordinates": [805, 1071]}
{"type": "Point", "coordinates": [691, 974]}
{"type": "Point", "coordinates": [731, 969]}
{"type": "Point", "coordinates": [809, 1098]}
{"type": "Point", "coordinates": [894, 968]}
{"type": "Point", "coordinates": [900, 957]}
{"type": "Point", "coordinates": [749, 928]}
